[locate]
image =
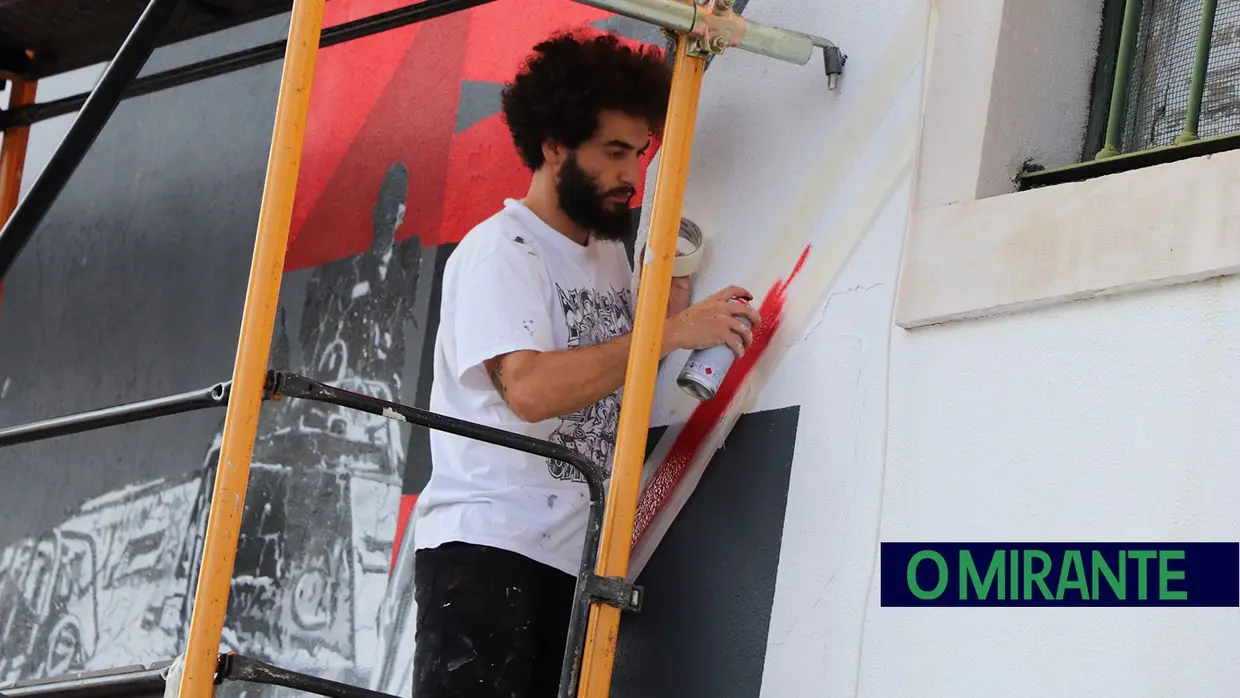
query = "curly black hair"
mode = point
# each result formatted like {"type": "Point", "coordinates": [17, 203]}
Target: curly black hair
{"type": "Point", "coordinates": [570, 78]}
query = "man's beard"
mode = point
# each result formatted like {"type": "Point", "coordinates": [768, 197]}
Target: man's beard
{"type": "Point", "coordinates": [584, 204]}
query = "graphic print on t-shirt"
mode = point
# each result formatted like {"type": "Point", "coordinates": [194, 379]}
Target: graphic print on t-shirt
{"type": "Point", "coordinates": [592, 317]}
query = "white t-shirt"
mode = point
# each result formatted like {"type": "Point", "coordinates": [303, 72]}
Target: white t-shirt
{"type": "Point", "coordinates": [515, 283]}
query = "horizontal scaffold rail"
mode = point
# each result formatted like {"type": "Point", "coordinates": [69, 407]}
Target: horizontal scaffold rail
{"type": "Point", "coordinates": [591, 587]}
{"type": "Point", "coordinates": [774, 42]}
{"type": "Point", "coordinates": [248, 58]}
{"type": "Point", "coordinates": [282, 384]}
{"type": "Point", "coordinates": [150, 681]}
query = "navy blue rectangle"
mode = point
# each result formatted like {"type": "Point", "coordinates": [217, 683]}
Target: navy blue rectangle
{"type": "Point", "coordinates": [1075, 574]}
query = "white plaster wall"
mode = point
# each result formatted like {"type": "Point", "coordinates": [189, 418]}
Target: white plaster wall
{"type": "Point", "coordinates": [1107, 419]}
{"type": "Point", "coordinates": [1012, 82]}
{"type": "Point", "coordinates": [774, 169]}
{"type": "Point", "coordinates": [1040, 89]}
{"type": "Point", "coordinates": [957, 95]}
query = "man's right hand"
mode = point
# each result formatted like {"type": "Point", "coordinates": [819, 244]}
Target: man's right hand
{"type": "Point", "coordinates": [711, 322]}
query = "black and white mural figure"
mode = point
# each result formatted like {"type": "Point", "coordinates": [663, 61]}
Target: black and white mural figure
{"type": "Point", "coordinates": [112, 585]}
{"type": "Point", "coordinates": [315, 551]}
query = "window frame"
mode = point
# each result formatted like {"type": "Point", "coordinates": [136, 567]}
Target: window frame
{"type": "Point", "coordinates": [976, 247]}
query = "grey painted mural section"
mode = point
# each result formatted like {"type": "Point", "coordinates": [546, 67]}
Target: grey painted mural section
{"type": "Point", "coordinates": [132, 287]}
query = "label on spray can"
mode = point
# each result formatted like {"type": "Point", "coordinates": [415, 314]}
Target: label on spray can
{"type": "Point", "coordinates": [706, 368]}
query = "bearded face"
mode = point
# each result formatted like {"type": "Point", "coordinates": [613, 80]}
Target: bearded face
{"type": "Point", "coordinates": [605, 213]}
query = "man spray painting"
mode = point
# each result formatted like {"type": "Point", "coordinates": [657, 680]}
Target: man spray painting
{"type": "Point", "coordinates": [534, 338]}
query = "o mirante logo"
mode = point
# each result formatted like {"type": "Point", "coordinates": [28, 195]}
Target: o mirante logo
{"type": "Point", "coordinates": [1060, 574]}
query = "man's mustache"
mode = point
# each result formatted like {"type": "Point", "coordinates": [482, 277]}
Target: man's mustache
{"type": "Point", "coordinates": [626, 192]}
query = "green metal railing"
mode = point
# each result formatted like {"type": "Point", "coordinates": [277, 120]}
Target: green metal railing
{"type": "Point", "coordinates": [1121, 32]}
{"type": "Point", "coordinates": [1123, 72]}
{"type": "Point", "coordinates": [1205, 34]}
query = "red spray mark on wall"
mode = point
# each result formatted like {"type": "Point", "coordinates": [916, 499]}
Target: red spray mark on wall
{"type": "Point", "coordinates": [708, 414]}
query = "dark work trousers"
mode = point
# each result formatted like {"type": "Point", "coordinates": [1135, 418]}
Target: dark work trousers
{"type": "Point", "coordinates": [490, 623]}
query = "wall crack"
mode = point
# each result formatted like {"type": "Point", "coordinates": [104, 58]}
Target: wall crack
{"type": "Point", "coordinates": [822, 312]}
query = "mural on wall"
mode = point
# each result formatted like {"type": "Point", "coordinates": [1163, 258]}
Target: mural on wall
{"type": "Point", "coordinates": [317, 532]}
{"type": "Point", "coordinates": [405, 152]}
{"type": "Point", "coordinates": [669, 468]}
{"type": "Point", "coordinates": [72, 598]}
{"type": "Point", "coordinates": [317, 537]}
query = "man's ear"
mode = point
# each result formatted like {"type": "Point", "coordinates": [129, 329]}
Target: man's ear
{"type": "Point", "coordinates": [554, 153]}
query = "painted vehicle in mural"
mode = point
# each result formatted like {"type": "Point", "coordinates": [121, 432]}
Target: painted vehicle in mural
{"type": "Point", "coordinates": [311, 565]}
{"type": "Point", "coordinates": [48, 610]}
{"type": "Point", "coordinates": [316, 543]}
{"type": "Point", "coordinates": [316, 535]}
{"type": "Point", "coordinates": [73, 597]}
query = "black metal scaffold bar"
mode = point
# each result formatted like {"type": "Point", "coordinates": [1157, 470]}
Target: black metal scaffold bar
{"type": "Point", "coordinates": [215, 396]}
{"type": "Point", "coordinates": [140, 681]}
{"type": "Point", "coordinates": [150, 681]}
{"type": "Point", "coordinates": [248, 58]}
{"type": "Point", "coordinates": [96, 110]}
{"type": "Point", "coordinates": [236, 667]}
{"type": "Point", "coordinates": [279, 384]}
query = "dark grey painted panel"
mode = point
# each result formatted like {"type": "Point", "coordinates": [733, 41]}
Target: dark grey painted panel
{"type": "Point", "coordinates": [710, 584]}
{"type": "Point", "coordinates": [631, 29]}
{"type": "Point", "coordinates": [478, 101]}
{"type": "Point", "coordinates": [133, 288]}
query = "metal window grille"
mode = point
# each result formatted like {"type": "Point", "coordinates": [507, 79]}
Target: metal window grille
{"type": "Point", "coordinates": [1162, 73]}
{"type": "Point", "coordinates": [1175, 77]}
{"type": "Point", "coordinates": [1166, 87]}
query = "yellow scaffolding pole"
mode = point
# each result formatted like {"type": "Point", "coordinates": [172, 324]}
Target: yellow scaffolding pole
{"type": "Point", "coordinates": [655, 285]}
{"type": "Point", "coordinates": [250, 368]}
{"type": "Point", "coordinates": [13, 152]}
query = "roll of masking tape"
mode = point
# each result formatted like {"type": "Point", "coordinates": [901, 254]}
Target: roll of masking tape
{"type": "Point", "coordinates": [688, 249]}
{"type": "Point", "coordinates": [689, 244]}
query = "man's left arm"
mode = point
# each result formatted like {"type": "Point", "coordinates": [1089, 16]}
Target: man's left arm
{"type": "Point", "coordinates": [681, 295]}
{"type": "Point", "coordinates": [678, 299]}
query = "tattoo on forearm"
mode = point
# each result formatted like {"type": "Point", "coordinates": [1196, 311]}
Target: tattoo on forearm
{"type": "Point", "coordinates": [496, 379]}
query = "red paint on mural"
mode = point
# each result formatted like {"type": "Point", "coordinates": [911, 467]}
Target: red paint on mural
{"type": "Point", "coordinates": [483, 170]}
{"type": "Point", "coordinates": [394, 97]}
{"type": "Point", "coordinates": [411, 122]}
{"type": "Point", "coordinates": [501, 34]}
{"type": "Point", "coordinates": [707, 415]}
{"type": "Point", "coordinates": [343, 96]}
{"type": "Point", "coordinates": [402, 521]}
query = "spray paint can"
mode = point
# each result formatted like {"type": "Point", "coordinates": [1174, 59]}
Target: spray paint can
{"type": "Point", "coordinates": [706, 368]}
